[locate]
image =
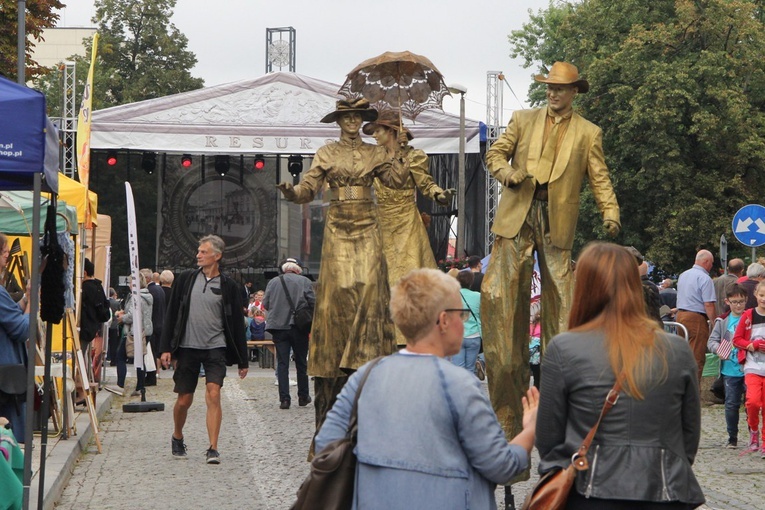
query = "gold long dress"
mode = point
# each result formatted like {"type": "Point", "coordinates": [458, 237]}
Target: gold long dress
{"type": "Point", "coordinates": [352, 323]}
{"type": "Point", "coordinates": [405, 241]}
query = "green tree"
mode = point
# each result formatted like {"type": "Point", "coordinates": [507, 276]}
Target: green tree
{"type": "Point", "coordinates": [677, 87]}
{"type": "Point", "coordinates": [39, 16]}
{"type": "Point", "coordinates": [145, 54]}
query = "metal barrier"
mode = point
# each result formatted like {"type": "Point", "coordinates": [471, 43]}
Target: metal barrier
{"type": "Point", "coordinates": [676, 328]}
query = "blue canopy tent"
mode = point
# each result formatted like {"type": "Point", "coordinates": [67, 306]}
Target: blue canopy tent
{"type": "Point", "coordinates": [28, 139]}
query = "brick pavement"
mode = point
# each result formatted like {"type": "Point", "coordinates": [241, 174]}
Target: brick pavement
{"type": "Point", "coordinates": [263, 453]}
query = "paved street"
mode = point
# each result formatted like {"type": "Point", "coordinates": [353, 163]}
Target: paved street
{"type": "Point", "coordinates": [263, 451]}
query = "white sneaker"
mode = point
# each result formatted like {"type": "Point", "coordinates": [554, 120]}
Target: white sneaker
{"type": "Point", "coordinates": [115, 389]}
{"type": "Point", "coordinates": [276, 382]}
{"type": "Point", "coordinates": [293, 382]}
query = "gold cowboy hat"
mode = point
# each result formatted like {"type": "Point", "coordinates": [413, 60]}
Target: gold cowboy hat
{"type": "Point", "coordinates": [353, 106]}
{"type": "Point", "coordinates": [563, 73]}
{"type": "Point", "coordinates": [388, 119]}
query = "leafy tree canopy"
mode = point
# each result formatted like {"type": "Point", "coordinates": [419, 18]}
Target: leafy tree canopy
{"type": "Point", "coordinates": [39, 16]}
{"type": "Point", "coordinates": [678, 88]}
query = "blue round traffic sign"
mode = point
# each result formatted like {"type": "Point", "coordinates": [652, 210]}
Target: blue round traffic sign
{"type": "Point", "coordinates": [749, 225]}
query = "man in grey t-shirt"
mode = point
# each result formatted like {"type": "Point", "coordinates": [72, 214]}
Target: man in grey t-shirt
{"type": "Point", "coordinates": [204, 327]}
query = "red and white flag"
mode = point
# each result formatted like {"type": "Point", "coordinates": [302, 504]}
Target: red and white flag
{"type": "Point", "coordinates": [723, 350]}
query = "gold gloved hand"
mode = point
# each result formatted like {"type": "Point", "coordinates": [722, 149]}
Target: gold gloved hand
{"type": "Point", "coordinates": [611, 227]}
{"type": "Point", "coordinates": [288, 191]}
{"type": "Point", "coordinates": [445, 197]}
{"type": "Point", "coordinates": [515, 177]}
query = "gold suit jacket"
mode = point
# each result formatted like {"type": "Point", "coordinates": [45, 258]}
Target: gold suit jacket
{"type": "Point", "coordinates": [580, 154]}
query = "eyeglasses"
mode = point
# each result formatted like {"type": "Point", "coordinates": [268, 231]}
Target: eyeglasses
{"type": "Point", "coordinates": [737, 301]}
{"type": "Point", "coordinates": [464, 313]}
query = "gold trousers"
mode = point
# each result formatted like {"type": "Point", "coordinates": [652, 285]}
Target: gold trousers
{"type": "Point", "coordinates": [505, 303]}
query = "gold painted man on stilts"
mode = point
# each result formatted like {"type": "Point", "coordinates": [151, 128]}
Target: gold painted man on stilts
{"type": "Point", "coordinates": [541, 160]}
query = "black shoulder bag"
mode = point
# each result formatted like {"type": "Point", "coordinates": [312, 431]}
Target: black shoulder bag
{"type": "Point", "coordinates": [330, 483]}
{"type": "Point", "coordinates": [303, 316]}
{"type": "Point", "coordinates": [13, 385]}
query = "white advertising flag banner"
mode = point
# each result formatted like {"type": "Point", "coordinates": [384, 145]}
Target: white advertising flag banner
{"type": "Point", "coordinates": [135, 282]}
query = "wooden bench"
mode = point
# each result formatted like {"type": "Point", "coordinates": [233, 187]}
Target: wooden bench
{"type": "Point", "coordinates": [269, 345]}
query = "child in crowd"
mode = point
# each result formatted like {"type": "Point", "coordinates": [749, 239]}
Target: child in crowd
{"type": "Point", "coordinates": [535, 346]}
{"type": "Point", "coordinates": [258, 324]}
{"type": "Point", "coordinates": [750, 339]}
{"type": "Point", "coordinates": [732, 374]}
{"type": "Point", "coordinates": [256, 329]}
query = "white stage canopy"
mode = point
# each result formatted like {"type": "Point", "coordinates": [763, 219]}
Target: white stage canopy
{"type": "Point", "coordinates": [277, 113]}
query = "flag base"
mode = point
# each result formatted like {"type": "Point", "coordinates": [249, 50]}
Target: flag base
{"type": "Point", "coordinates": [143, 407]}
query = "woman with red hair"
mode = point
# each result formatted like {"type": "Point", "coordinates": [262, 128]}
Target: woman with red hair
{"type": "Point", "coordinates": [642, 453]}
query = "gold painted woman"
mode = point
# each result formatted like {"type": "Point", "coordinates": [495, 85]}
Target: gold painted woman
{"type": "Point", "coordinates": [405, 241]}
{"type": "Point", "coordinates": [352, 323]}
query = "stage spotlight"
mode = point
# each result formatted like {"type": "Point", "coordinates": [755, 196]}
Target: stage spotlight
{"type": "Point", "coordinates": [222, 164]}
{"type": "Point", "coordinates": [260, 162]}
{"type": "Point", "coordinates": [111, 158]}
{"type": "Point", "coordinates": [149, 162]}
{"type": "Point", "coordinates": [186, 160]}
{"type": "Point", "coordinates": [295, 165]}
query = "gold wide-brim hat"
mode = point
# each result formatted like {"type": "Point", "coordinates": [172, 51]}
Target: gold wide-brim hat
{"type": "Point", "coordinates": [360, 106]}
{"type": "Point", "coordinates": [563, 73]}
{"type": "Point", "coordinates": [387, 119]}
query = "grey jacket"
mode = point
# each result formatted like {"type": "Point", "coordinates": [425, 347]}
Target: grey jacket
{"type": "Point", "coordinates": [643, 449]}
{"type": "Point", "coordinates": [147, 302]}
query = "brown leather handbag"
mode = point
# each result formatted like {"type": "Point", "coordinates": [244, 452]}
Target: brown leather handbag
{"type": "Point", "coordinates": [552, 490]}
{"type": "Point", "coordinates": [330, 483]}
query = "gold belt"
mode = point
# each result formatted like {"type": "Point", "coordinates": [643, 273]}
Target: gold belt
{"type": "Point", "coordinates": [352, 193]}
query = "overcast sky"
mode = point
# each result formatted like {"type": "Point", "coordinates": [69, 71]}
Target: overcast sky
{"type": "Point", "coordinates": [464, 39]}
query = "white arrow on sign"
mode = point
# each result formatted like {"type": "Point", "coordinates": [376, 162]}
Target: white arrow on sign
{"type": "Point", "coordinates": [760, 225]}
{"type": "Point", "coordinates": [743, 225]}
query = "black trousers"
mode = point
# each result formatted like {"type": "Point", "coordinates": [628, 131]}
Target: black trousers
{"type": "Point", "coordinates": [296, 341]}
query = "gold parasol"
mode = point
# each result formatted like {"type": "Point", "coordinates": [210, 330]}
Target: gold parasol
{"type": "Point", "coordinates": [401, 81]}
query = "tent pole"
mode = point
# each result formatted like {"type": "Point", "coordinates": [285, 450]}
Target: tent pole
{"type": "Point", "coordinates": [21, 44]}
{"type": "Point", "coordinates": [158, 233]}
{"type": "Point", "coordinates": [32, 343]}
{"type": "Point", "coordinates": [45, 414]}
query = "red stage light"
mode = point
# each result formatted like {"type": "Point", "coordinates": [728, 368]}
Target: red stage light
{"type": "Point", "coordinates": [111, 158]}
{"type": "Point", "coordinates": [259, 163]}
{"type": "Point", "coordinates": [186, 161]}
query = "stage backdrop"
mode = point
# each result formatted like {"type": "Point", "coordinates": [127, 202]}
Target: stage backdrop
{"type": "Point", "coordinates": [240, 207]}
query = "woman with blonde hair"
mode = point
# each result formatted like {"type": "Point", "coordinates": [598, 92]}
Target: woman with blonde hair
{"type": "Point", "coordinates": [642, 453]}
{"type": "Point", "coordinates": [427, 435]}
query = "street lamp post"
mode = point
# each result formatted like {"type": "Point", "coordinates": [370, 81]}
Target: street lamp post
{"type": "Point", "coordinates": [461, 216]}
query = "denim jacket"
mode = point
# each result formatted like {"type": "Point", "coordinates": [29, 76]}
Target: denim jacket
{"type": "Point", "coordinates": [427, 437]}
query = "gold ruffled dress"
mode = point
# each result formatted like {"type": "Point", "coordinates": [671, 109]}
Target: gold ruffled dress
{"type": "Point", "coordinates": [352, 323]}
{"type": "Point", "coordinates": [405, 241]}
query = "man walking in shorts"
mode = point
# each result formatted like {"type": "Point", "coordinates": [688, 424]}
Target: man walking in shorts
{"type": "Point", "coordinates": [204, 327]}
